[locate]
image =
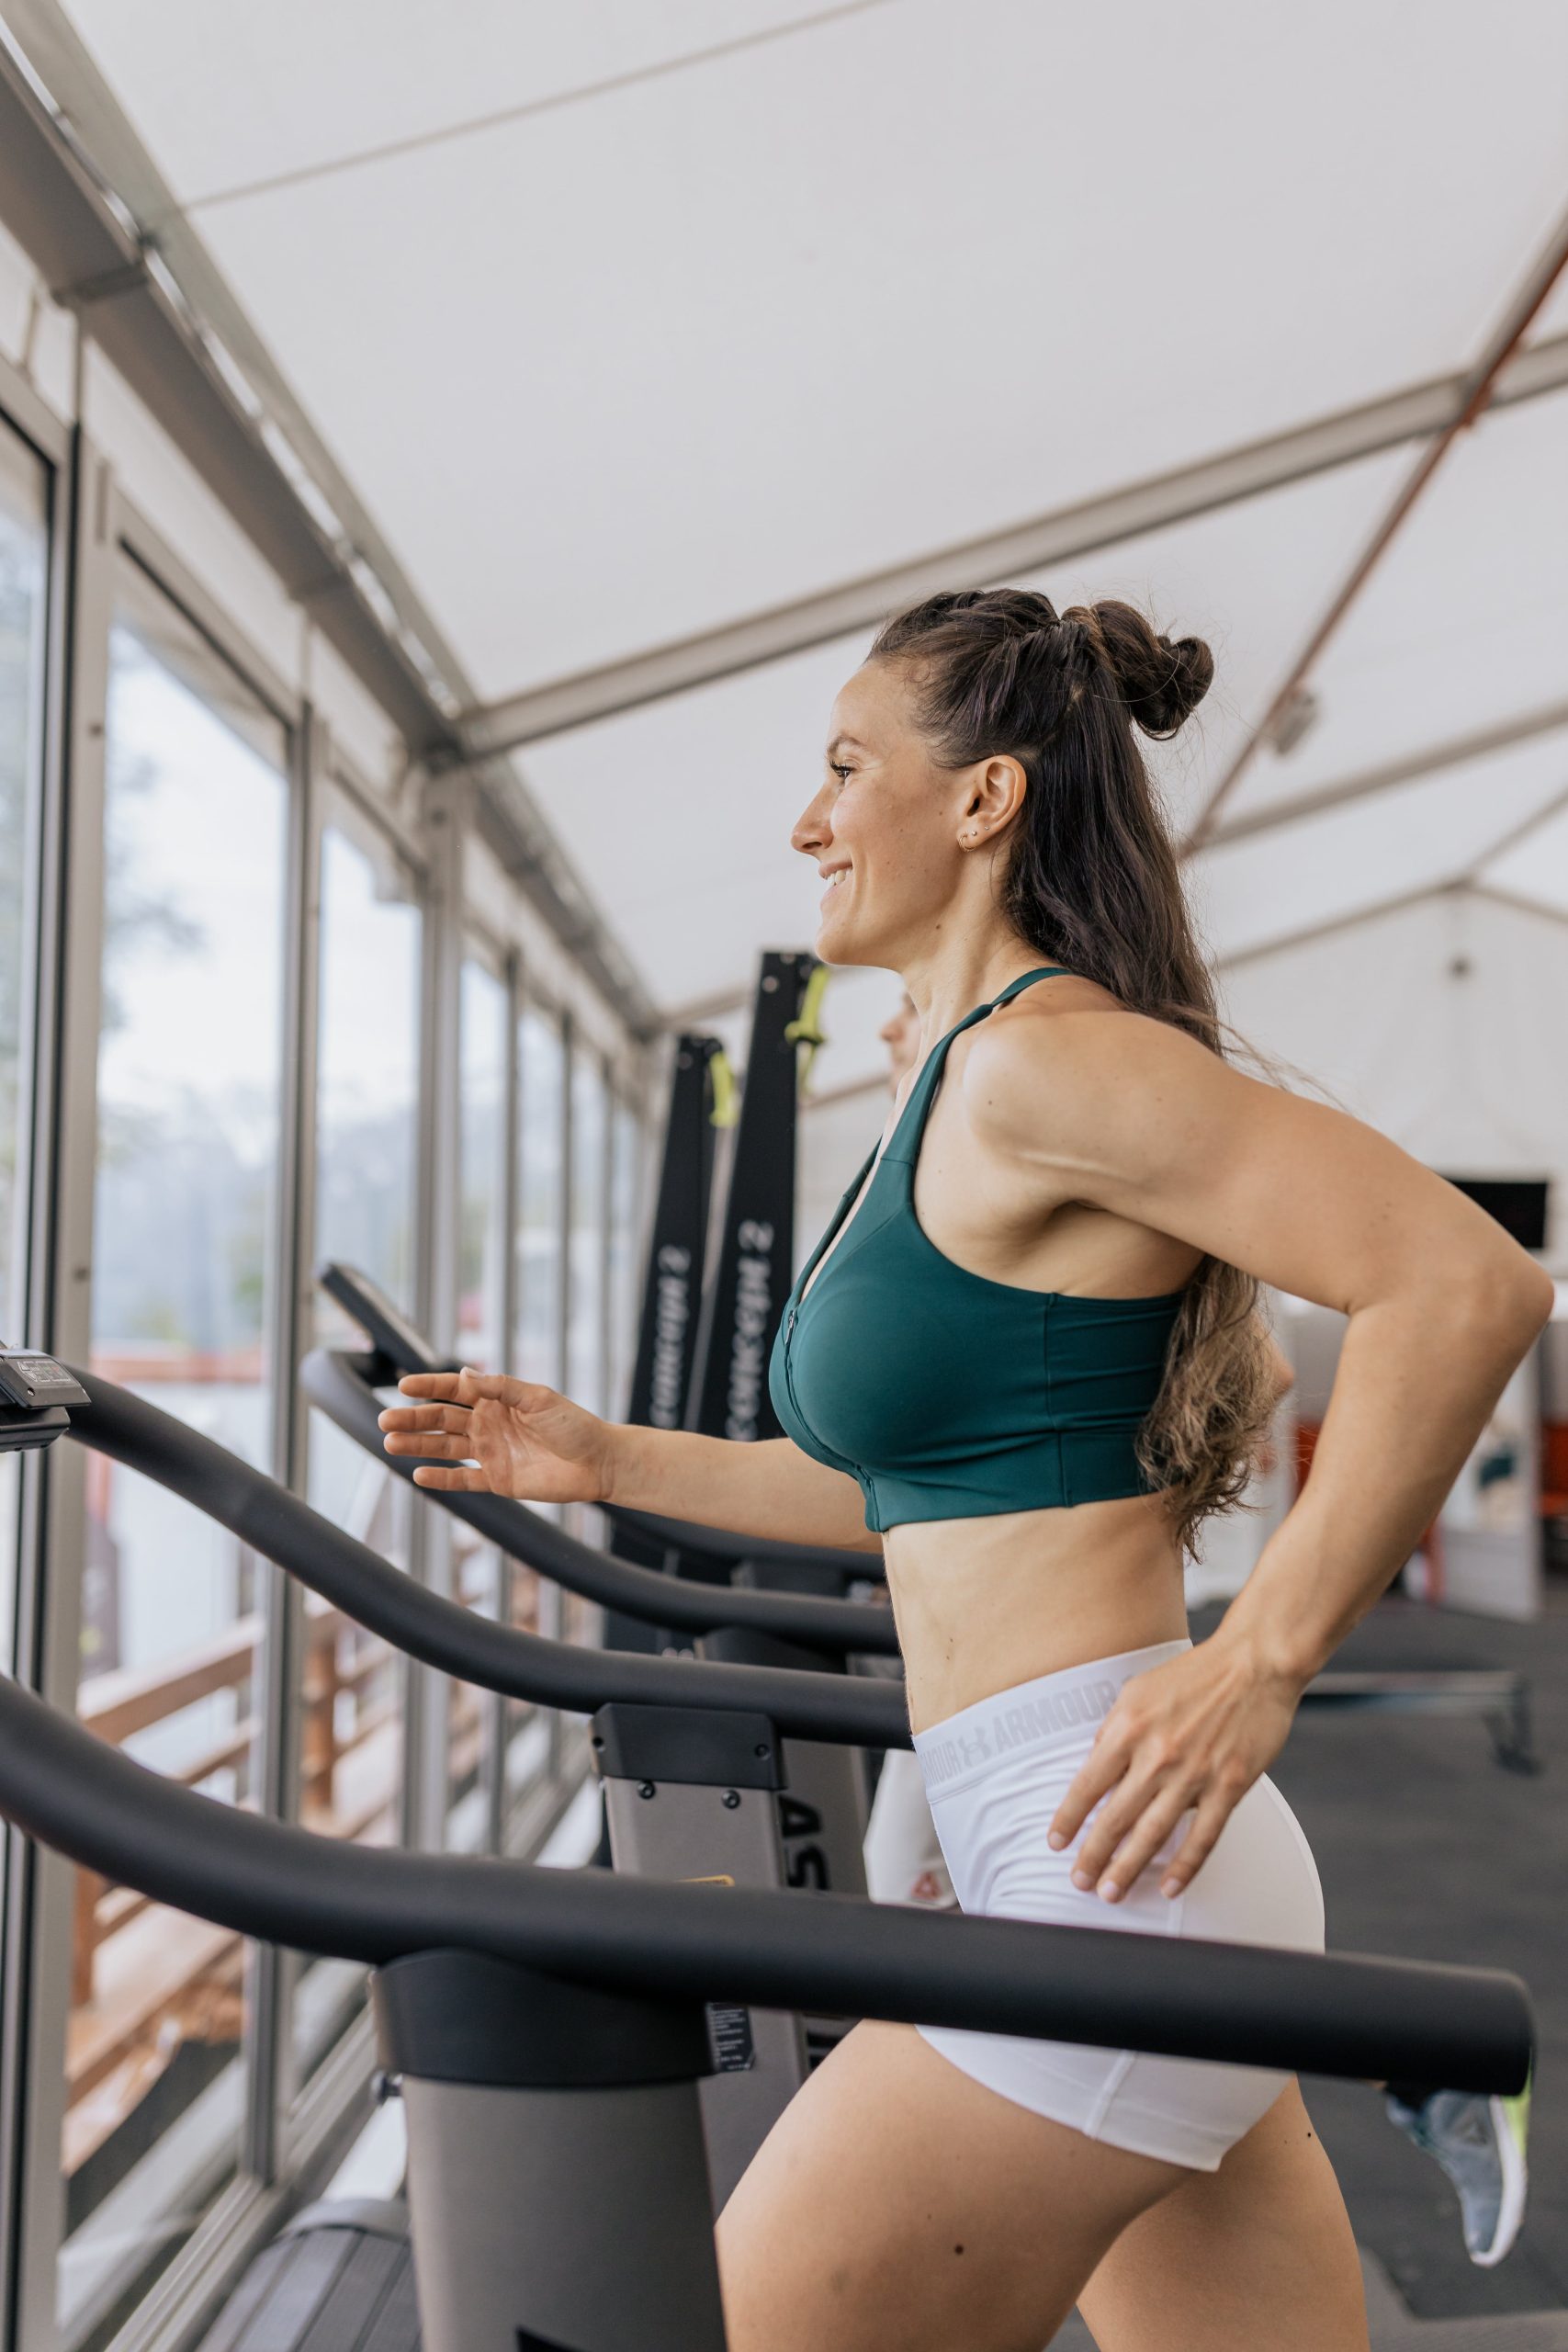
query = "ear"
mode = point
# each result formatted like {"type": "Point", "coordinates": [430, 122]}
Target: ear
{"type": "Point", "coordinates": [998, 788]}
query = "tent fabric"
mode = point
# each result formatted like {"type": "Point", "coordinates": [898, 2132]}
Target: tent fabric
{"type": "Point", "coordinates": [630, 321]}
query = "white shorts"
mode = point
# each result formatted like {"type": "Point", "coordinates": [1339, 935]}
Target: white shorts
{"type": "Point", "coordinates": [995, 1774]}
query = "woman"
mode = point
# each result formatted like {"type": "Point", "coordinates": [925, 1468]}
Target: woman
{"type": "Point", "coordinates": [1027, 1377]}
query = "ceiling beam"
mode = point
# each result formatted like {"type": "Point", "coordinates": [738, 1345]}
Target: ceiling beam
{"type": "Point", "coordinates": [1481, 386]}
{"type": "Point", "coordinates": [1456, 885]}
{"type": "Point", "coordinates": [1518, 834]}
{"type": "Point", "coordinates": [1068, 532]}
{"type": "Point", "coordinates": [1409, 768]}
{"type": "Point", "coordinates": [1329, 924]}
{"type": "Point", "coordinates": [1520, 901]}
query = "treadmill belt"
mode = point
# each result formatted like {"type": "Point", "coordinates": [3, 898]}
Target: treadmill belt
{"type": "Point", "coordinates": [340, 2279]}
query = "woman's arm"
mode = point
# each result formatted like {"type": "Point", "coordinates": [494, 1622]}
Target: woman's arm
{"type": "Point", "coordinates": [1141, 1119]}
{"type": "Point", "coordinates": [482, 1433]}
{"type": "Point", "coordinates": [766, 1487]}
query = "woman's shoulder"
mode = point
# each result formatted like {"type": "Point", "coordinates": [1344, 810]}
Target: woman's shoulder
{"type": "Point", "coordinates": [1073, 1071]}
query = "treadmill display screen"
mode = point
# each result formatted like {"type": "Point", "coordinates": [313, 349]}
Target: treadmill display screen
{"type": "Point", "coordinates": [1519, 1204]}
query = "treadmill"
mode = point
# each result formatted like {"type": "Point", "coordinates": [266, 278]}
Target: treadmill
{"type": "Point", "coordinates": [546, 2029]}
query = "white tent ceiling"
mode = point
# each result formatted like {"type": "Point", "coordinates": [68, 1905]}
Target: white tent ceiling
{"type": "Point", "coordinates": [630, 319]}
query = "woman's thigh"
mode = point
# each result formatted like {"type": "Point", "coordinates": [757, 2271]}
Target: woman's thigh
{"type": "Point", "coordinates": [897, 2201]}
{"type": "Point", "coordinates": [1259, 2252]}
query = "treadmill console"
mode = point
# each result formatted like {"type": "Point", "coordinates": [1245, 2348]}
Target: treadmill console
{"type": "Point", "coordinates": [385, 1325]}
{"type": "Point", "coordinates": [34, 1394]}
{"type": "Point", "coordinates": [36, 1382]}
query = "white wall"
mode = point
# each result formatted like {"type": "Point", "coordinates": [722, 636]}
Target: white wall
{"type": "Point", "coordinates": [1441, 1025]}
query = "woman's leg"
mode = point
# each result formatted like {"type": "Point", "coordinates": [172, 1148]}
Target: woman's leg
{"type": "Point", "coordinates": [1259, 2252]}
{"type": "Point", "coordinates": [897, 2202]}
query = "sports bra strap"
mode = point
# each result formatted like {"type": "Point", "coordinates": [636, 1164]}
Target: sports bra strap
{"type": "Point", "coordinates": [925, 1085]}
{"type": "Point", "coordinates": [1041, 972]}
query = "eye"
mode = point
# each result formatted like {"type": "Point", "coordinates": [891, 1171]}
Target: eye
{"type": "Point", "coordinates": [839, 772]}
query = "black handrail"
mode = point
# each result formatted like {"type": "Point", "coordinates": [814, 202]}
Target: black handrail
{"type": "Point", "coordinates": [857, 1710]}
{"type": "Point", "coordinates": [723, 1543]}
{"type": "Point", "coordinates": [1370, 2019]}
{"type": "Point", "coordinates": [402, 1347]}
{"type": "Point", "coordinates": [343, 1386]}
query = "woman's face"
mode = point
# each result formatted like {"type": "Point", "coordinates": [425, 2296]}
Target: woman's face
{"type": "Point", "coordinates": [883, 828]}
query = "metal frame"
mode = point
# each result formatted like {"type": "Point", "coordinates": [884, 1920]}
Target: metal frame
{"type": "Point", "coordinates": [438, 1210]}
{"type": "Point", "coordinates": [1411, 767]}
{"type": "Point", "coordinates": [480, 948]}
{"type": "Point", "coordinates": [40, 1895]}
{"type": "Point", "coordinates": [1478, 392]}
{"type": "Point", "coordinates": [175, 580]}
{"type": "Point", "coordinates": [23, 2222]}
{"type": "Point", "coordinates": [27, 414]}
{"type": "Point", "coordinates": [1080, 529]}
{"type": "Point", "coordinates": [60, 214]}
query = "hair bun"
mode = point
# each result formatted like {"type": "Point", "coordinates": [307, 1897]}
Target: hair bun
{"type": "Point", "coordinates": [1161, 680]}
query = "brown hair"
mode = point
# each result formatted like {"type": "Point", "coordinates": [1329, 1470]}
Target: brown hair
{"type": "Point", "coordinates": [1092, 883]}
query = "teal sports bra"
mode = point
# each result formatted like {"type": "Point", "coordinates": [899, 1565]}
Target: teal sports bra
{"type": "Point", "coordinates": [946, 1394]}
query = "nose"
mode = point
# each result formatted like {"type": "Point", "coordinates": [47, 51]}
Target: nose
{"type": "Point", "coordinates": [811, 830]}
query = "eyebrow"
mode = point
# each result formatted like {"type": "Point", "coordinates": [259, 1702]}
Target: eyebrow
{"type": "Point", "coordinates": [839, 740]}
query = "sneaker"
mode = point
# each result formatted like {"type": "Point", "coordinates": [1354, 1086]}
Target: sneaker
{"type": "Point", "coordinates": [1480, 2143]}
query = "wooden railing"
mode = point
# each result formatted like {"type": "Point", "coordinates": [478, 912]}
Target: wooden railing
{"type": "Point", "coordinates": [143, 1978]}
{"type": "Point", "coordinates": [146, 1980]}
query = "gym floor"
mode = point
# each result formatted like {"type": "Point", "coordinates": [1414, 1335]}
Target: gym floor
{"type": "Point", "coordinates": [1428, 1850]}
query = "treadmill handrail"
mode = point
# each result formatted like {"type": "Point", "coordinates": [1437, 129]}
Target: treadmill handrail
{"type": "Point", "coordinates": [1342, 2014]}
{"type": "Point", "coordinates": [406, 1349]}
{"type": "Point", "coordinates": [339, 1383]}
{"type": "Point", "coordinates": [723, 1543]}
{"type": "Point", "coordinates": [855, 1709]}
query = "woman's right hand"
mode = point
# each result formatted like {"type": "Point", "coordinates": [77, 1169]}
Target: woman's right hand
{"type": "Point", "coordinates": [528, 1441]}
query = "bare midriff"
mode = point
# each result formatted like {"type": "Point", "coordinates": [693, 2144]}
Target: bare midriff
{"type": "Point", "coordinates": [985, 1604]}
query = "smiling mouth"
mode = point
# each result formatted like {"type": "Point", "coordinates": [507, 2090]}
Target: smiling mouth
{"type": "Point", "coordinates": [834, 887]}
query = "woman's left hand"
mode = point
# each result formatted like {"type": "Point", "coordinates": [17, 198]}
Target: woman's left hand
{"type": "Point", "coordinates": [1195, 1732]}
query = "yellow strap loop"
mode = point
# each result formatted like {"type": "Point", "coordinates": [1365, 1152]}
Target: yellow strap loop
{"type": "Point", "coordinates": [726, 1093]}
{"type": "Point", "coordinates": [806, 1028]}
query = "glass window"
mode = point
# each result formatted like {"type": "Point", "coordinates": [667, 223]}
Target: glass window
{"type": "Point", "coordinates": [625, 1186]}
{"type": "Point", "coordinates": [24, 560]}
{"type": "Point", "coordinates": [541, 1110]}
{"type": "Point", "coordinates": [585, 1372]}
{"type": "Point", "coordinates": [24, 557]}
{"type": "Point", "coordinates": [367, 1054]}
{"type": "Point", "coordinates": [475, 1718]}
{"type": "Point", "coordinates": [482, 1146]}
{"type": "Point", "coordinates": [189, 1101]}
{"type": "Point", "coordinates": [537, 1346]}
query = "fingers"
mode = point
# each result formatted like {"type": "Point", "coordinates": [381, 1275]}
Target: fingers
{"type": "Point", "coordinates": [423, 1417]}
{"type": "Point", "coordinates": [1141, 1810]}
{"type": "Point", "coordinates": [1219, 1802]}
{"type": "Point", "coordinates": [466, 1481]}
{"type": "Point", "coordinates": [1096, 1776]}
{"type": "Point", "coordinates": [432, 1445]}
{"type": "Point", "coordinates": [1143, 1802]}
{"type": "Point", "coordinates": [1137, 1847]}
{"type": "Point", "coordinates": [469, 1387]}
